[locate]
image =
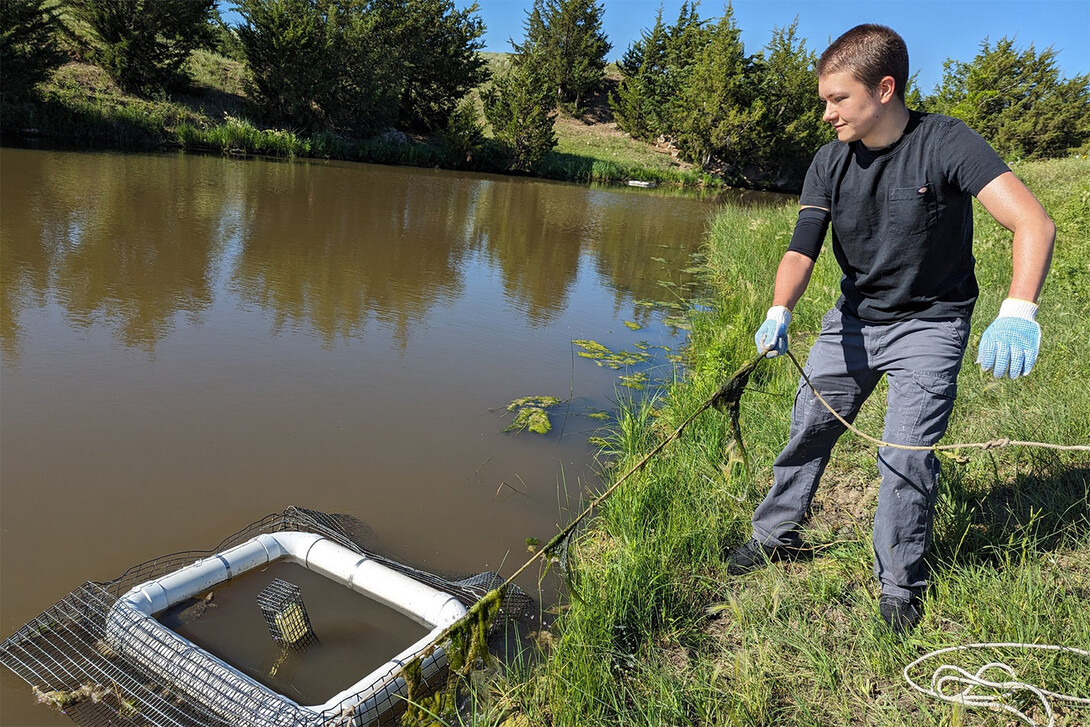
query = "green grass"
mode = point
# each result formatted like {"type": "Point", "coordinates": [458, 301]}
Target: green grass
{"type": "Point", "coordinates": [797, 644]}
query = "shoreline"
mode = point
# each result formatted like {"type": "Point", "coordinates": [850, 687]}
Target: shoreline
{"type": "Point", "coordinates": [80, 107]}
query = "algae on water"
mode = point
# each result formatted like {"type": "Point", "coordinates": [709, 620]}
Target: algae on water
{"type": "Point", "coordinates": [637, 381]}
{"type": "Point", "coordinates": [531, 413]}
{"type": "Point", "coordinates": [606, 357]}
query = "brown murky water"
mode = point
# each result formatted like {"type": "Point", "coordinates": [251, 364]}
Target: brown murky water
{"type": "Point", "coordinates": [190, 343]}
{"type": "Point", "coordinates": [353, 634]}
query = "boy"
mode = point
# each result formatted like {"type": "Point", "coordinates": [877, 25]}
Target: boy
{"type": "Point", "coordinates": [896, 187]}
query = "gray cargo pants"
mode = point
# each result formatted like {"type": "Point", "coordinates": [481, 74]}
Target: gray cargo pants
{"type": "Point", "coordinates": [921, 359]}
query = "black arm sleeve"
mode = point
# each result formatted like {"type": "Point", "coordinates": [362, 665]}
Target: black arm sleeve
{"type": "Point", "coordinates": [810, 231]}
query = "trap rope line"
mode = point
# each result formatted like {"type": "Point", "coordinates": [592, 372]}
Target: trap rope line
{"type": "Point", "coordinates": [992, 444]}
{"type": "Point", "coordinates": [728, 398]}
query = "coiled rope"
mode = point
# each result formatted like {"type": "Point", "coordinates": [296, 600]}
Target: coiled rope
{"type": "Point", "coordinates": [947, 679]}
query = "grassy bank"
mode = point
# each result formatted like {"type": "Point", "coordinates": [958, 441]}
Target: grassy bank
{"type": "Point", "coordinates": [80, 105]}
{"type": "Point", "coordinates": [660, 635]}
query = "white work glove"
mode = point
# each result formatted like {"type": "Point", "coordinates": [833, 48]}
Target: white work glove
{"type": "Point", "coordinates": [771, 337]}
{"type": "Point", "coordinates": [1010, 344]}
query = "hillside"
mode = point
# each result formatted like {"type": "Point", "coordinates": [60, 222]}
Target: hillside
{"type": "Point", "coordinates": [82, 106]}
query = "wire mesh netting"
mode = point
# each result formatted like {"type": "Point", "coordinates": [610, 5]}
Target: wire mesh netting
{"type": "Point", "coordinates": [104, 663]}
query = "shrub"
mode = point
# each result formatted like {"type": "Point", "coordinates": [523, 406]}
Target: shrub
{"type": "Point", "coordinates": [142, 44]}
{"type": "Point", "coordinates": [520, 106]}
{"type": "Point", "coordinates": [1017, 100]}
{"type": "Point", "coordinates": [464, 131]}
{"type": "Point", "coordinates": [28, 46]}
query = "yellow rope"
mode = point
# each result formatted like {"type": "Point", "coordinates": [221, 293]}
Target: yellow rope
{"type": "Point", "coordinates": [992, 444]}
{"type": "Point", "coordinates": [727, 397]}
{"type": "Point", "coordinates": [728, 394]}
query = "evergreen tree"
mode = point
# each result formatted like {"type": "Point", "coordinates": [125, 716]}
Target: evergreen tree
{"type": "Point", "coordinates": [1017, 100]}
{"type": "Point", "coordinates": [435, 50]}
{"type": "Point", "coordinates": [914, 98]}
{"type": "Point", "coordinates": [291, 47]}
{"type": "Point", "coordinates": [521, 107]}
{"type": "Point", "coordinates": [686, 39]}
{"type": "Point", "coordinates": [718, 112]}
{"type": "Point", "coordinates": [790, 126]}
{"type": "Point", "coordinates": [637, 104]}
{"type": "Point", "coordinates": [142, 44]}
{"type": "Point", "coordinates": [567, 37]}
{"type": "Point", "coordinates": [28, 46]}
{"type": "Point", "coordinates": [362, 65]}
{"type": "Point", "coordinates": [654, 70]}
{"type": "Point", "coordinates": [580, 50]}
{"type": "Point", "coordinates": [535, 33]}
{"type": "Point", "coordinates": [222, 39]}
{"type": "Point", "coordinates": [366, 68]}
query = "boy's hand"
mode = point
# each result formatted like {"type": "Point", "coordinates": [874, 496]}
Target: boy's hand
{"type": "Point", "coordinates": [1009, 345]}
{"type": "Point", "coordinates": [771, 337]}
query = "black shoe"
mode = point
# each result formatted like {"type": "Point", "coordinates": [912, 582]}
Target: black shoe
{"type": "Point", "coordinates": [753, 555]}
{"type": "Point", "coordinates": [900, 614]}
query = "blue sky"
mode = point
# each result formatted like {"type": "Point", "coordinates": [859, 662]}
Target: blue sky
{"type": "Point", "coordinates": [933, 29]}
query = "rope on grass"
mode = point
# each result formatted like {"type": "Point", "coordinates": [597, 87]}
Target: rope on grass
{"type": "Point", "coordinates": [728, 399]}
{"type": "Point", "coordinates": [992, 444]}
{"type": "Point", "coordinates": [947, 679]}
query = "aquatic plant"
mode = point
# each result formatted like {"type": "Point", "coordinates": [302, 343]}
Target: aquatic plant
{"type": "Point", "coordinates": [604, 356]}
{"type": "Point", "coordinates": [530, 413]}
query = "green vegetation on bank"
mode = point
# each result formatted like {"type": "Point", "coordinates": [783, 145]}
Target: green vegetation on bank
{"type": "Point", "coordinates": [656, 632]}
{"type": "Point", "coordinates": [80, 104]}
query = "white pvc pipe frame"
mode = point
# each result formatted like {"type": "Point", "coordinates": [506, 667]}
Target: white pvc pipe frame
{"type": "Point", "coordinates": [422, 603]}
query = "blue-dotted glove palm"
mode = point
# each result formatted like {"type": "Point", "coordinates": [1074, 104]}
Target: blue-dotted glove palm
{"type": "Point", "coordinates": [1010, 344]}
{"type": "Point", "coordinates": [771, 337]}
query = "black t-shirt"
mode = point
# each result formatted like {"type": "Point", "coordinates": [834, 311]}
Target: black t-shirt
{"type": "Point", "coordinates": [902, 218]}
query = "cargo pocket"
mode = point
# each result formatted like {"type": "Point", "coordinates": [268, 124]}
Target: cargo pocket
{"type": "Point", "coordinates": [936, 392]}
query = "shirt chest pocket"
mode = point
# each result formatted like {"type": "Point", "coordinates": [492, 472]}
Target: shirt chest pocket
{"type": "Point", "coordinates": [912, 210]}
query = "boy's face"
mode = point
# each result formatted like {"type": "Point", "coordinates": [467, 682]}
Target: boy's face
{"type": "Point", "coordinates": [853, 111]}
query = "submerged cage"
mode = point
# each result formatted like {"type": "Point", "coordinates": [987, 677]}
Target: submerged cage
{"type": "Point", "coordinates": [102, 656]}
{"type": "Point", "coordinates": [285, 614]}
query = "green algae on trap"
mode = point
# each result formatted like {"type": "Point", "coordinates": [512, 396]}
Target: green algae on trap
{"type": "Point", "coordinates": [632, 325]}
{"type": "Point", "coordinates": [530, 413]}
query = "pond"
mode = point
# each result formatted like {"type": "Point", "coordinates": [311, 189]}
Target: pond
{"type": "Point", "coordinates": [191, 342]}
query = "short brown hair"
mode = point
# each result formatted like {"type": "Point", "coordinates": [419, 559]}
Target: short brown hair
{"type": "Point", "coordinates": [870, 53]}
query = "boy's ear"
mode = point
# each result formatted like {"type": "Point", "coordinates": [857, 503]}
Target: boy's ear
{"type": "Point", "coordinates": [887, 88]}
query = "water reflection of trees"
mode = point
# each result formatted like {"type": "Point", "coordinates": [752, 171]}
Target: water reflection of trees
{"type": "Point", "coordinates": [533, 233]}
{"type": "Point", "coordinates": [333, 247]}
{"type": "Point", "coordinates": [119, 240]}
{"type": "Point", "coordinates": [25, 254]}
{"type": "Point", "coordinates": [537, 233]}
{"type": "Point", "coordinates": [132, 241]}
